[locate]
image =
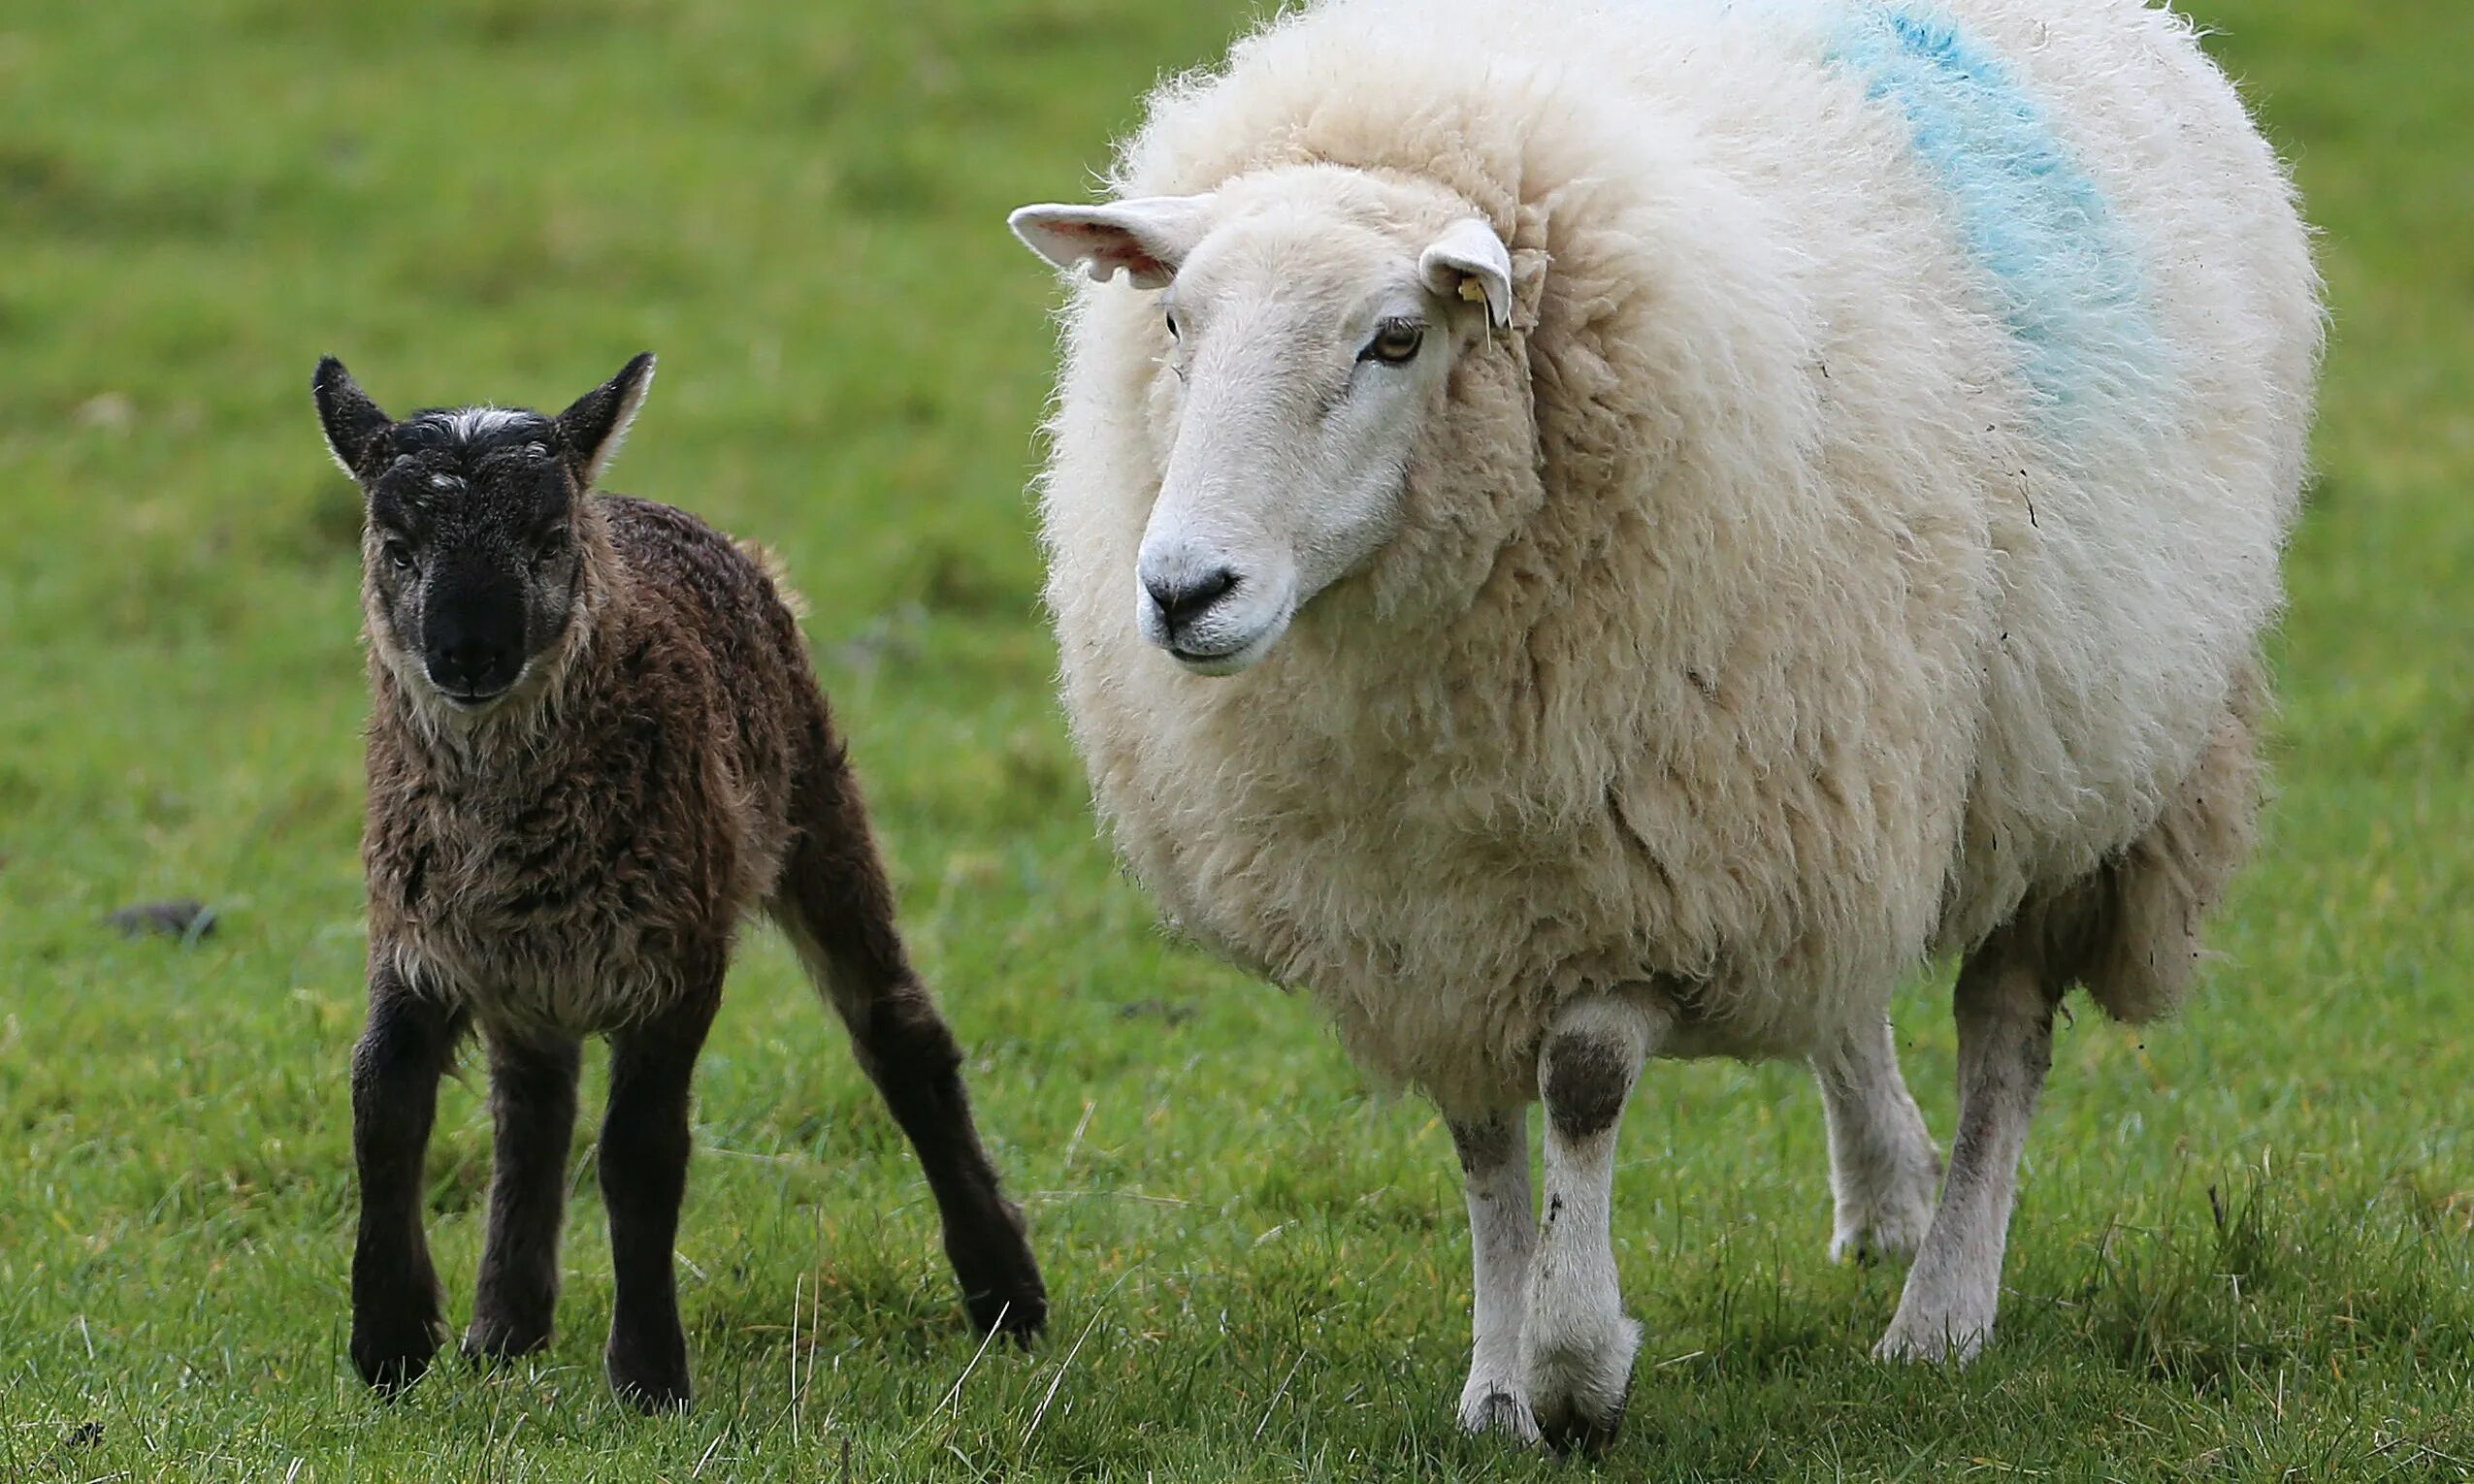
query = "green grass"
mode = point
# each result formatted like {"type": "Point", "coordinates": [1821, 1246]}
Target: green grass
{"type": "Point", "coordinates": [2243, 1246]}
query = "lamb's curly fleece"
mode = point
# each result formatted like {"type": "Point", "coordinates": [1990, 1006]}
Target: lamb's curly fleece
{"type": "Point", "coordinates": [1864, 535]}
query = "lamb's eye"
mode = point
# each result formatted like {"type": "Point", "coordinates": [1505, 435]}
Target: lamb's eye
{"type": "Point", "coordinates": [1171, 316]}
{"type": "Point", "coordinates": [397, 555]}
{"type": "Point", "coordinates": [1395, 343]}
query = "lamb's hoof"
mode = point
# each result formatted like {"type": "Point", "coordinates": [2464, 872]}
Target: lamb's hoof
{"type": "Point", "coordinates": [658, 1396]}
{"type": "Point", "coordinates": [1939, 1341]}
{"type": "Point", "coordinates": [1577, 1393]}
{"type": "Point", "coordinates": [491, 1343]}
{"type": "Point", "coordinates": [1497, 1406]}
{"type": "Point", "coordinates": [650, 1380]}
{"type": "Point", "coordinates": [1018, 1316]}
{"type": "Point", "coordinates": [1001, 1279]}
{"type": "Point", "coordinates": [391, 1353]}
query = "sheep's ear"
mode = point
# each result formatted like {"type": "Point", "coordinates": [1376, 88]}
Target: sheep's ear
{"type": "Point", "coordinates": [356, 431]}
{"type": "Point", "coordinates": [1469, 262]}
{"type": "Point", "coordinates": [1148, 236]}
{"type": "Point", "coordinates": [590, 431]}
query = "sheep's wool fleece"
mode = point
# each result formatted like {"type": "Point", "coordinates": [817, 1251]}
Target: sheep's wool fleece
{"type": "Point", "coordinates": [1863, 531]}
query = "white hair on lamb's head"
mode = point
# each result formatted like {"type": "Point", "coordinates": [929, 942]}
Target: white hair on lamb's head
{"type": "Point", "coordinates": [468, 425]}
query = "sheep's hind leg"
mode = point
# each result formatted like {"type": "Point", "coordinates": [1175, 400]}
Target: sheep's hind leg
{"type": "Point", "coordinates": [1577, 1343]}
{"type": "Point", "coordinates": [532, 1104]}
{"type": "Point", "coordinates": [1494, 1164]}
{"type": "Point", "coordinates": [1883, 1165]}
{"type": "Point", "coordinates": [2004, 1008]}
{"type": "Point", "coordinates": [837, 907]}
{"type": "Point", "coordinates": [644, 1164]}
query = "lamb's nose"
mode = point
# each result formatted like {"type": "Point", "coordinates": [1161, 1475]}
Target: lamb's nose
{"type": "Point", "coordinates": [1182, 599]}
{"type": "Point", "coordinates": [468, 665]}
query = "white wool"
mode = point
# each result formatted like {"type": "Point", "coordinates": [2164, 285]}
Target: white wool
{"type": "Point", "coordinates": [1761, 623]}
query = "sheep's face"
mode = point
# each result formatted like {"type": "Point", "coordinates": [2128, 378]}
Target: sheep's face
{"type": "Point", "coordinates": [1309, 326]}
{"type": "Point", "coordinates": [473, 547]}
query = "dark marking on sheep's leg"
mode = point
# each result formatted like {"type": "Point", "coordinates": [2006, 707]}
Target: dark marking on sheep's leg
{"type": "Point", "coordinates": [1584, 1079]}
{"type": "Point", "coordinates": [404, 1050]}
{"type": "Point", "coordinates": [1577, 1345]}
{"type": "Point", "coordinates": [532, 1103]}
{"type": "Point", "coordinates": [644, 1166]}
{"type": "Point", "coordinates": [838, 905]}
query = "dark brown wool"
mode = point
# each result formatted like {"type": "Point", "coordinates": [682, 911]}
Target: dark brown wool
{"type": "Point", "coordinates": [595, 747]}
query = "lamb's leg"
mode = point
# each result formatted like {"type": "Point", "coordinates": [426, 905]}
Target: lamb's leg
{"type": "Point", "coordinates": [837, 907]}
{"type": "Point", "coordinates": [2005, 1009]}
{"type": "Point", "coordinates": [532, 1103]}
{"type": "Point", "coordinates": [1883, 1165]}
{"type": "Point", "coordinates": [404, 1050]}
{"type": "Point", "coordinates": [1494, 1164]}
{"type": "Point", "coordinates": [644, 1150]}
{"type": "Point", "coordinates": [1577, 1343]}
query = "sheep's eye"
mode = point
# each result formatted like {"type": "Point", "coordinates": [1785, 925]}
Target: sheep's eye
{"type": "Point", "coordinates": [397, 555]}
{"type": "Point", "coordinates": [1395, 343]}
{"type": "Point", "coordinates": [1171, 316]}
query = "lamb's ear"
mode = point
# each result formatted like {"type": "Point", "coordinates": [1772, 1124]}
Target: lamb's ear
{"type": "Point", "coordinates": [356, 431]}
{"type": "Point", "coordinates": [590, 431]}
{"type": "Point", "coordinates": [1148, 236]}
{"type": "Point", "coordinates": [1469, 262]}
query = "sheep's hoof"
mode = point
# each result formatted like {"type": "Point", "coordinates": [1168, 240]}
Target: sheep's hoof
{"type": "Point", "coordinates": [1579, 1394]}
{"type": "Point", "coordinates": [1939, 1341]}
{"type": "Point", "coordinates": [1888, 1220]}
{"type": "Point", "coordinates": [1889, 1234]}
{"type": "Point", "coordinates": [1575, 1429]}
{"type": "Point", "coordinates": [1496, 1407]}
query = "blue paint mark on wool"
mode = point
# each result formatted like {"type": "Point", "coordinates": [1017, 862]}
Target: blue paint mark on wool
{"type": "Point", "coordinates": [2066, 282]}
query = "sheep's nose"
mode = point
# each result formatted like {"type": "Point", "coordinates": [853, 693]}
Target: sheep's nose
{"type": "Point", "coordinates": [1182, 599]}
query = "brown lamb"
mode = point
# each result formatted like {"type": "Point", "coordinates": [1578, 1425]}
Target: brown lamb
{"type": "Point", "coordinates": [596, 745]}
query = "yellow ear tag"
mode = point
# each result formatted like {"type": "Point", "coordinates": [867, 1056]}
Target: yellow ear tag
{"type": "Point", "coordinates": [1473, 291]}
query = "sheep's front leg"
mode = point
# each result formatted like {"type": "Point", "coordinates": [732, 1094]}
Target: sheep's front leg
{"type": "Point", "coordinates": [404, 1050]}
{"type": "Point", "coordinates": [532, 1104]}
{"type": "Point", "coordinates": [2004, 1010]}
{"type": "Point", "coordinates": [1577, 1343]}
{"type": "Point", "coordinates": [1883, 1166]}
{"type": "Point", "coordinates": [644, 1150]}
{"type": "Point", "coordinates": [1494, 1166]}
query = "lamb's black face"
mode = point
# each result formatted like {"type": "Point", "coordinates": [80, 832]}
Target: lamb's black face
{"type": "Point", "coordinates": [470, 554]}
{"type": "Point", "coordinates": [471, 550]}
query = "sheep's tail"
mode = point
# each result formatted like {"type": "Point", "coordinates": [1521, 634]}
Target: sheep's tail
{"type": "Point", "coordinates": [777, 572]}
{"type": "Point", "coordinates": [2132, 931]}
{"type": "Point", "coordinates": [836, 904]}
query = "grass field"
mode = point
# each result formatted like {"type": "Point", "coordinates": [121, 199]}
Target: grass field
{"type": "Point", "coordinates": [2244, 1243]}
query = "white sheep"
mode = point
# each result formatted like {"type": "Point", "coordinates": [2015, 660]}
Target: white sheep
{"type": "Point", "coordinates": [1598, 531]}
